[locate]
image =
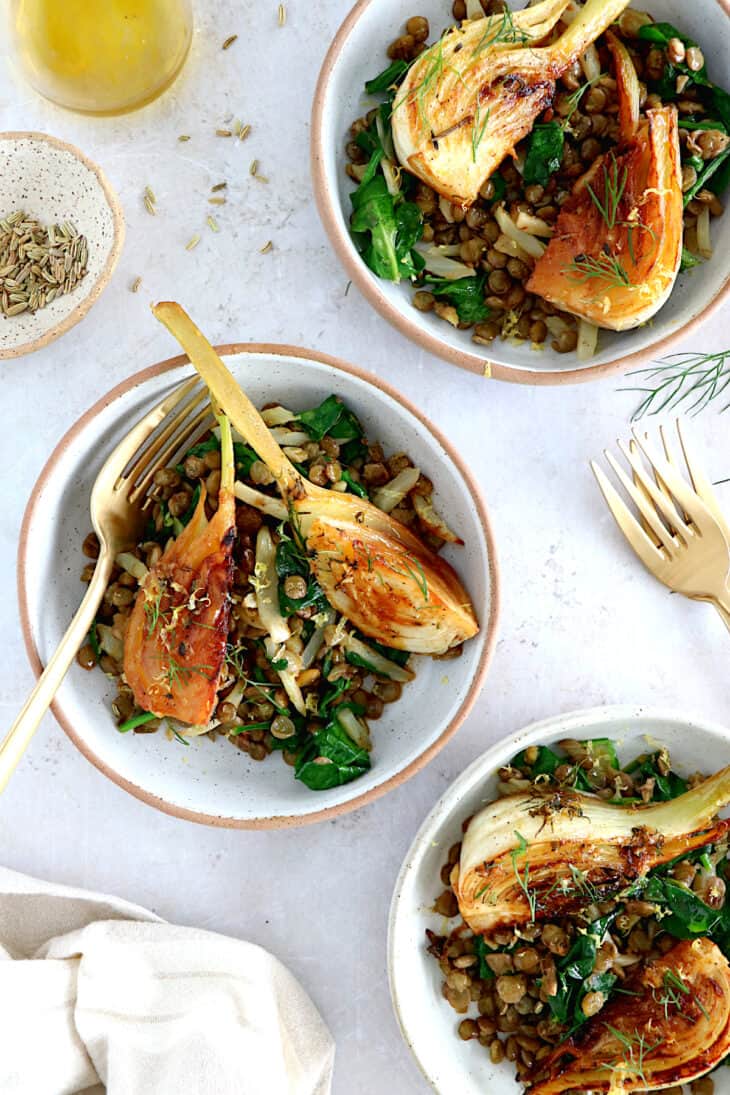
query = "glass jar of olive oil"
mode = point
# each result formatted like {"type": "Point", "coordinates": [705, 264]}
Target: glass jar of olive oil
{"type": "Point", "coordinates": [102, 56]}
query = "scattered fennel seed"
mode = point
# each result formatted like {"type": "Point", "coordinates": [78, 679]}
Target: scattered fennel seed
{"type": "Point", "coordinates": [218, 186]}
{"type": "Point", "coordinates": [223, 133]}
{"type": "Point", "coordinates": [244, 132]}
{"type": "Point", "coordinates": [184, 137]}
{"type": "Point", "coordinates": [192, 243]}
{"type": "Point", "coordinates": [216, 201]}
{"type": "Point", "coordinates": [212, 224]}
{"type": "Point", "coordinates": [261, 178]}
{"type": "Point", "coordinates": [229, 41]}
{"type": "Point", "coordinates": [149, 193]}
{"type": "Point", "coordinates": [268, 246]}
{"type": "Point", "coordinates": [282, 15]}
{"type": "Point", "coordinates": [253, 167]}
{"type": "Point", "coordinates": [134, 287]}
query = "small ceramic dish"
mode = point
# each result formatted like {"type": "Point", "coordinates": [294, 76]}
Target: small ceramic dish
{"type": "Point", "coordinates": [358, 54]}
{"type": "Point", "coordinates": [211, 781]}
{"type": "Point", "coordinates": [55, 182]}
{"type": "Point", "coordinates": [427, 1021]}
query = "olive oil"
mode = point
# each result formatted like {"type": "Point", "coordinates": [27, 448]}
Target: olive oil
{"type": "Point", "coordinates": [102, 56]}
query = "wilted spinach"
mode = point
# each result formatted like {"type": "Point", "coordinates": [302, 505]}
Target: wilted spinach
{"type": "Point", "coordinates": [331, 418]}
{"type": "Point", "coordinates": [331, 758]}
{"type": "Point", "coordinates": [290, 561]}
{"type": "Point", "coordinates": [466, 295]}
{"type": "Point", "coordinates": [544, 153]}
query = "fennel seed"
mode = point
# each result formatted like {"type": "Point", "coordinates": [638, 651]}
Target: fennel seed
{"type": "Point", "coordinates": [253, 167]}
{"type": "Point", "coordinates": [134, 287]}
{"type": "Point", "coordinates": [38, 263]}
{"type": "Point", "coordinates": [244, 132]}
{"type": "Point", "coordinates": [184, 137]}
{"type": "Point", "coordinates": [212, 223]}
{"type": "Point", "coordinates": [192, 242]}
{"type": "Point", "coordinates": [223, 133]}
{"type": "Point", "coordinates": [216, 201]}
{"type": "Point", "coordinates": [268, 246]}
{"type": "Point", "coordinates": [282, 15]}
{"type": "Point", "coordinates": [219, 186]}
{"type": "Point", "coordinates": [229, 41]}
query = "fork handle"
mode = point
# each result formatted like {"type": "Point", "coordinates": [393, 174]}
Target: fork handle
{"type": "Point", "coordinates": [723, 608]}
{"type": "Point", "coordinates": [18, 736]}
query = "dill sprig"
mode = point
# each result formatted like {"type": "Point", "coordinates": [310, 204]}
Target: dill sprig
{"type": "Point", "coordinates": [606, 267]}
{"type": "Point", "coordinates": [635, 1051]}
{"type": "Point", "coordinates": [613, 187]}
{"type": "Point", "coordinates": [433, 73]}
{"type": "Point", "coordinates": [523, 879]}
{"type": "Point", "coordinates": [478, 129]}
{"type": "Point", "coordinates": [504, 33]}
{"type": "Point", "coordinates": [691, 380]}
{"type": "Point", "coordinates": [573, 101]}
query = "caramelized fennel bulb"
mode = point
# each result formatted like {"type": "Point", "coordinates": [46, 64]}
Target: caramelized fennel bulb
{"type": "Point", "coordinates": [470, 99]}
{"type": "Point", "coordinates": [519, 854]}
{"type": "Point", "coordinates": [371, 568]}
{"type": "Point", "coordinates": [617, 247]}
{"type": "Point", "coordinates": [674, 1027]}
{"type": "Point", "coordinates": [174, 649]}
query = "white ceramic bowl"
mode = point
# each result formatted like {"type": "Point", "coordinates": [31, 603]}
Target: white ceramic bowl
{"type": "Point", "coordinates": [214, 782]}
{"type": "Point", "coordinates": [356, 55]}
{"type": "Point", "coordinates": [427, 1022]}
{"type": "Point", "coordinates": [55, 182]}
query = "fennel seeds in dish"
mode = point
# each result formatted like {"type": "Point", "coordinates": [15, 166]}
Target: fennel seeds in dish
{"type": "Point", "coordinates": [38, 263]}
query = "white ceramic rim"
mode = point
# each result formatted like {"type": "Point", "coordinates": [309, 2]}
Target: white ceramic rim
{"type": "Point", "coordinates": [570, 724]}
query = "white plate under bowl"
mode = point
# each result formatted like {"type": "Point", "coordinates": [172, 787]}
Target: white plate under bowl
{"type": "Point", "coordinates": [427, 1021]}
{"type": "Point", "coordinates": [356, 55]}
{"type": "Point", "coordinates": [210, 781]}
{"type": "Point", "coordinates": [55, 182]}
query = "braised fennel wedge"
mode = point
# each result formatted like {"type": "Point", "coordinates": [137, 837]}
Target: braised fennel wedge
{"type": "Point", "coordinates": [520, 854]}
{"type": "Point", "coordinates": [175, 646]}
{"type": "Point", "coordinates": [370, 567]}
{"type": "Point", "coordinates": [670, 1025]}
{"type": "Point", "coordinates": [468, 100]}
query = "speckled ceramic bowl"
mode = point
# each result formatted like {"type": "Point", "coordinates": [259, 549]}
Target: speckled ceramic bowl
{"type": "Point", "coordinates": [356, 55]}
{"type": "Point", "coordinates": [55, 182]}
{"type": "Point", "coordinates": [211, 781]}
{"type": "Point", "coordinates": [427, 1021]}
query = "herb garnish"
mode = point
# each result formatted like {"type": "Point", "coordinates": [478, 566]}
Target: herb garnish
{"type": "Point", "coordinates": [479, 128]}
{"type": "Point", "coordinates": [524, 878]}
{"type": "Point", "coordinates": [505, 33]}
{"type": "Point", "coordinates": [613, 192]}
{"type": "Point", "coordinates": [635, 1050]}
{"type": "Point", "coordinates": [606, 267]}
{"type": "Point", "coordinates": [692, 379]}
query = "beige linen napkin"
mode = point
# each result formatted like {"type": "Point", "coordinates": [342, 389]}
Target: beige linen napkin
{"type": "Point", "coordinates": [93, 989]}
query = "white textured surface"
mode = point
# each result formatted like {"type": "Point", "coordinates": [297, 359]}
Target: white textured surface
{"type": "Point", "coordinates": [582, 624]}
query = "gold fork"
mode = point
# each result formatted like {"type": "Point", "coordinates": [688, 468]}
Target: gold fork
{"type": "Point", "coordinates": [681, 535]}
{"type": "Point", "coordinates": [119, 499]}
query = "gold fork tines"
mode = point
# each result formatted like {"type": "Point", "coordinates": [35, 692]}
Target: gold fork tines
{"type": "Point", "coordinates": [118, 518]}
{"type": "Point", "coordinates": [677, 530]}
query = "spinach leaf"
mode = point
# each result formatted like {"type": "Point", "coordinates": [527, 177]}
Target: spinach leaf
{"type": "Point", "coordinates": [688, 917]}
{"type": "Point", "coordinates": [352, 451]}
{"type": "Point", "coordinates": [500, 187]}
{"type": "Point", "coordinates": [662, 34]}
{"type": "Point", "coordinates": [212, 444]}
{"type": "Point", "coordinates": [544, 153]}
{"type": "Point", "coordinates": [331, 417]}
{"type": "Point", "coordinates": [386, 229]}
{"type": "Point", "coordinates": [244, 457]}
{"type": "Point", "coordinates": [546, 763]}
{"type": "Point", "coordinates": [466, 295]}
{"type": "Point", "coordinates": [93, 640]}
{"type": "Point", "coordinates": [710, 168]}
{"type": "Point", "coordinates": [482, 950]}
{"type": "Point", "coordinates": [332, 694]}
{"type": "Point", "coordinates": [400, 657]}
{"type": "Point", "coordinates": [665, 787]}
{"type": "Point", "coordinates": [330, 759]}
{"type": "Point", "coordinates": [384, 81]}
{"type": "Point", "coordinates": [689, 260]}
{"type": "Point", "coordinates": [355, 487]}
{"type": "Point", "coordinates": [291, 562]}
{"type": "Point", "coordinates": [574, 974]}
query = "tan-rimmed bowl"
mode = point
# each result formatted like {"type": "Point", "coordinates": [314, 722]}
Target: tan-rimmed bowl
{"type": "Point", "coordinates": [54, 182]}
{"type": "Point", "coordinates": [357, 54]}
{"type": "Point", "coordinates": [213, 782]}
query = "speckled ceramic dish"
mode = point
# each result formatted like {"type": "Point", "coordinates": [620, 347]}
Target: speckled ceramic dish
{"type": "Point", "coordinates": [356, 55]}
{"type": "Point", "coordinates": [211, 781]}
{"type": "Point", "coordinates": [428, 1023]}
{"type": "Point", "coordinates": [55, 182]}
